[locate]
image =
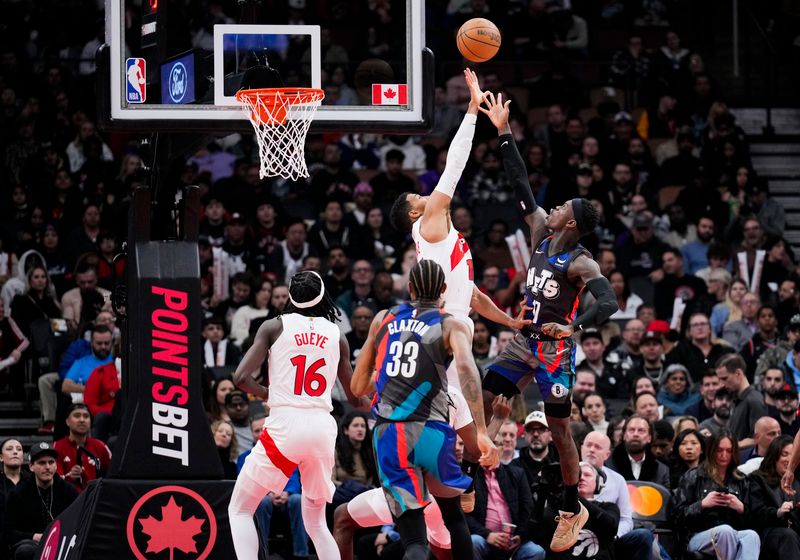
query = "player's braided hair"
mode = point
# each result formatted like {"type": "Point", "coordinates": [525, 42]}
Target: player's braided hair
{"type": "Point", "coordinates": [427, 279]}
{"type": "Point", "coordinates": [306, 286]}
{"type": "Point", "coordinates": [588, 218]}
{"type": "Point", "coordinates": [398, 215]}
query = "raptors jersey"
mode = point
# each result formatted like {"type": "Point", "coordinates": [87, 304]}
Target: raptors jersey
{"type": "Point", "coordinates": [552, 296]}
{"type": "Point", "coordinates": [303, 363]}
{"type": "Point", "coordinates": [454, 256]}
{"type": "Point", "coordinates": [410, 366]}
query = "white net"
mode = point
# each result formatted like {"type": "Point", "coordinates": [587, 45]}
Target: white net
{"type": "Point", "coordinates": [281, 119]}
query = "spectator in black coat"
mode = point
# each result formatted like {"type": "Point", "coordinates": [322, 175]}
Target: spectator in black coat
{"type": "Point", "coordinates": [596, 539]}
{"type": "Point", "coordinates": [491, 535]}
{"type": "Point", "coordinates": [36, 502]}
{"type": "Point", "coordinates": [773, 511]}
{"type": "Point", "coordinates": [710, 504]}
{"type": "Point", "coordinates": [633, 459]}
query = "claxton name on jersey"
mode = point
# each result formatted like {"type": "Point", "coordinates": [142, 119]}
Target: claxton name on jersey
{"type": "Point", "coordinates": [408, 325]}
{"type": "Point", "coordinates": [544, 282]}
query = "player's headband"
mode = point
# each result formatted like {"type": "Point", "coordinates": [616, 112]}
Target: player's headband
{"type": "Point", "coordinates": [580, 218]}
{"type": "Point", "coordinates": [312, 302]}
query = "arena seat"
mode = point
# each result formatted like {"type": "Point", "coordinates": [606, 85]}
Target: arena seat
{"type": "Point", "coordinates": [651, 505]}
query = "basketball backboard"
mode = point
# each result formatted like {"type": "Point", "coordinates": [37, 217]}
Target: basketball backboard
{"type": "Point", "coordinates": [175, 66]}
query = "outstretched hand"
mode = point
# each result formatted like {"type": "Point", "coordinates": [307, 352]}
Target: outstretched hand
{"type": "Point", "coordinates": [490, 454]}
{"type": "Point", "coordinates": [497, 111]}
{"type": "Point", "coordinates": [554, 330]}
{"type": "Point", "coordinates": [475, 93]}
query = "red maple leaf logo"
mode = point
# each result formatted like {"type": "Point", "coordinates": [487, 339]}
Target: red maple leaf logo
{"type": "Point", "coordinates": [389, 93]}
{"type": "Point", "coordinates": [171, 531]}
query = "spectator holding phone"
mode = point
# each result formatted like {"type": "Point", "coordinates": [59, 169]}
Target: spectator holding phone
{"type": "Point", "coordinates": [709, 504]}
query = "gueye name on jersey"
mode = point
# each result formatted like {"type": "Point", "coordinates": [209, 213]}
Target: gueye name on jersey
{"type": "Point", "coordinates": [544, 282]}
{"type": "Point", "coordinates": [412, 325]}
{"type": "Point", "coordinates": [310, 339]}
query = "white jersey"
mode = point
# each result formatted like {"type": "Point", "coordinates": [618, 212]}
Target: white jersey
{"type": "Point", "coordinates": [303, 363]}
{"type": "Point", "coordinates": [453, 255]}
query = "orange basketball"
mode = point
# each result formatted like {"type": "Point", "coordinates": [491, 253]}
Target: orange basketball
{"type": "Point", "coordinates": [478, 40]}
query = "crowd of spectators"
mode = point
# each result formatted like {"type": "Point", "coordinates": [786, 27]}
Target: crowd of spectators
{"type": "Point", "coordinates": [696, 375]}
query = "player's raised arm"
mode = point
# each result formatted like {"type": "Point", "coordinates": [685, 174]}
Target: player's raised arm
{"type": "Point", "coordinates": [361, 383]}
{"type": "Point", "coordinates": [255, 356]}
{"type": "Point", "coordinates": [604, 307]}
{"type": "Point", "coordinates": [487, 309]}
{"type": "Point", "coordinates": [434, 224]}
{"type": "Point", "coordinates": [515, 167]}
{"type": "Point", "coordinates": [459, 340]}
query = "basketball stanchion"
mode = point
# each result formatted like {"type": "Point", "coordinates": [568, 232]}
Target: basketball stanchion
{"type": "Point", "coordinates": [281, 118]}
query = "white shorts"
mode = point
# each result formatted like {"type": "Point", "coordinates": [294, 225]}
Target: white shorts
{"type": "Point", "coordinates": [460, 415]}
{"type": "Point", "coordinates": [304, 438]}
{"type": "Point", "coordinates": [369, 509]}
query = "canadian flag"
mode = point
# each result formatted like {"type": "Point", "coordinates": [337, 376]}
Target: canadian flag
{"type": "Point", "coordinates": [389, 94]}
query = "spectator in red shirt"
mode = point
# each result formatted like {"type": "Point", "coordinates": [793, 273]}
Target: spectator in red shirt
{"type": "Point", "coordinates": [81, 458]}
{"type": "Point", "coordinates": [100, 394]}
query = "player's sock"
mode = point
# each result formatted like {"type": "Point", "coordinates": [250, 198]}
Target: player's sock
{"type": "Point", "coordinates": [243, 504]}
{"type": "Point", "coordinates": [571, 503]}
{"type": "Point", "coordinates": [317, 529]}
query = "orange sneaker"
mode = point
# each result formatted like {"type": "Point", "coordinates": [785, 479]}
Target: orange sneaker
{"type": "Point", "coordinates": [569, 526]}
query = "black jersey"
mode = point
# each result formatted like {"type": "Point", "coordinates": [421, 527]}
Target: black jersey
{"type": "Point", "coordinates": [552, 296]}
{"type": "Point", "coordinates": [410, 366]}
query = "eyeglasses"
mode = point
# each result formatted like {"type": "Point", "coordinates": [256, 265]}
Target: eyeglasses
{"type": "Point", "coordinates": [363, 269]}
{"type": "Point", "coordinates": [537, 430]}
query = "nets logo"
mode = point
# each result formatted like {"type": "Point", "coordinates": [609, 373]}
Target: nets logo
{"type": "Point", "coordinates": [178, 82]}
{"type": "Point", "coordinates": [171, 518]}
{"type": "Point", "coordinates": [135, 72]}
{"type": "Point", "coordinates": [544, 283]}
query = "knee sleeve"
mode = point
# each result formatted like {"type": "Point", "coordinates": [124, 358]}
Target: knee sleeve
{"type": "Point", "coordinates": [456, 523]}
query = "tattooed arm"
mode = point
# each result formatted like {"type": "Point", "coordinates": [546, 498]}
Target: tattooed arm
{"type": "Point", "coordinates": [459, 341]}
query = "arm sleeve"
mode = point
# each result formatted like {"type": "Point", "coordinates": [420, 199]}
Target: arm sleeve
{"type": "Point", "coordinates": [457, 156]}
{"type": "Point", "coordinates": [603, 308]}
{"type": "Point", "coordinates": [517, 174]}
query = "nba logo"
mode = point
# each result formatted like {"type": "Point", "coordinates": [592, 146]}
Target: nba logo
{"type": "Point", "coordinates": [135, 72]}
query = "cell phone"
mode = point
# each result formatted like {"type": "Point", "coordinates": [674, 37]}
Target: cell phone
{"type": "Point", "coordinates": [724, 491]}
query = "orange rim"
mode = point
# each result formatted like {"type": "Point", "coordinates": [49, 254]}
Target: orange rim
{"type": "Point", "coordinates": [264, 106]}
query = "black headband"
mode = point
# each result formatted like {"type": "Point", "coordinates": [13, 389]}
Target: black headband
{"type": "Point", "coordinates": [580, 217]}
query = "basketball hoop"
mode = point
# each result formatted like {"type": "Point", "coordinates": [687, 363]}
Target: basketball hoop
{"type": "Point", "coordinates": [281, 118]}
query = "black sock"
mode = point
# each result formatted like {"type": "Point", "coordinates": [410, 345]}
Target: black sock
{"type": "Point", "coordinates": [470, 469]}
{"type": "Point", "coordinates": [571, 503]}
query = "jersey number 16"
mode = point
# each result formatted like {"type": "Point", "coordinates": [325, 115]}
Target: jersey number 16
{"type": "Point", "coordinates": [308, 380]}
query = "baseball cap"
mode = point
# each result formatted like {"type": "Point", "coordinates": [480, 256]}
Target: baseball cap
{"type": "Point", "coordinates": [786, 390]}
{"type": "Point", "coordinates": [537, 417]}
{"type": "Point", "coordinates": [623, 116]}
{"type": "Point", "coordinates": [794, 322]}
{"type": "Point", "coordinates": [235, 397]}
{"type": "Point", "coordinates": [653, 336]}
{"type": "Point", "coordinates": [591, 333]}
{"type": "Point", "coordinates": [585, 169]}
{"type": "Point", "coordinates": [237, 218]}
{"type": "Point", "coordinates": [363, 187]}
{"type": "Point", "coordinates": [643, 220]}
{"type": "Point", "coordinates": [659, 326]}
{"type": "Point", "coordinates": [42, 448]}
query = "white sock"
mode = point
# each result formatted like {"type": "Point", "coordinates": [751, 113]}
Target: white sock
{"type": "Point", "coordinates": [247, 495]}
{"type": "Point", "coordinates": [317, 529]}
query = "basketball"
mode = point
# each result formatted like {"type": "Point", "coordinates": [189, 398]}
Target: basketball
{"type": "Point", "coordinates": [478, 40]}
